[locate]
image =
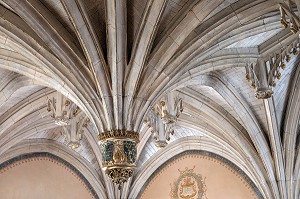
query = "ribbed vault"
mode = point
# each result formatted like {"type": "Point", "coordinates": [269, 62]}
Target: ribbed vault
{"type": "Point", "coordinates": [117, 59]}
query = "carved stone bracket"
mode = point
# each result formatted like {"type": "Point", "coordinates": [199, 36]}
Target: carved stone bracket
{"type": "Point", "coordinates": [266, 71]}
{"type": "Point", "coordinates": [119, 153]}
{"type": "Point", "coordinates": [68, 115]}
{"type": "Point", "coordinates": [162, 119]}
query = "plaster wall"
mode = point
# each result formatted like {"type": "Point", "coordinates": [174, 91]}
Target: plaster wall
{"type": "Point", "coordinates": [222, 181]}
{"type": "Point", "coordinates": [41, 178]}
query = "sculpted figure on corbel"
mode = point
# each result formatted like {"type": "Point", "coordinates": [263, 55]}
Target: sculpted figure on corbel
{"type": "Point", "coordinates": [266, 71]}
{"type": "Point", "coordinates": [162, 118]}
{"type": "Point", "coordinates": [288, 17]}
{"type": "Point", "coordinates": [68, 115]}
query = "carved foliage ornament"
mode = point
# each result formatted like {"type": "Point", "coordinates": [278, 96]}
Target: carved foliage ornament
{"type": "Point", "coordinates": [265, 72]}
{"type": "Point", "coordinates": [74, 132]}
{"type": "Point", "coordinates": [263, 75]}
{"type": "Point", "coordinates": [119, 153]}
{"type": "Point", "coordinates": [63, 110]}
{"type": "Point", "coordinates": [162, 119]}
{"type": "Point", "coordinates": [188, 185]}
{"type": "Point", "coordinates": [68, 115]}
{"type": "Point", "coordinates": [288, 17]}
{"type": "Point", "coordinates": [263, 93]}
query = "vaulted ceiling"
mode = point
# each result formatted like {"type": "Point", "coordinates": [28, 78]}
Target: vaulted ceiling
{"type": "Point", "coordinates": [117, 59]}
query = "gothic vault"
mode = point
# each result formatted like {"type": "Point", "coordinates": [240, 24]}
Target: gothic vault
{"type": "Point", "coordinates": [213, 75]}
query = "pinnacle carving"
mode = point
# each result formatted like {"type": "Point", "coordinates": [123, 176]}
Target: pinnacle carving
{"type": "Point", "coordinates": [68, 115]}
{"type": "Point", "coordinates": [267, 70]}
{"type": "Point", "coordinates": [162, 119]}
{"type": "Point", "coordinates": [264, 74]}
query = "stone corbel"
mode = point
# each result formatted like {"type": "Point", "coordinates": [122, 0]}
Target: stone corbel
{"type": "Point", "coordinates": [162, 119]}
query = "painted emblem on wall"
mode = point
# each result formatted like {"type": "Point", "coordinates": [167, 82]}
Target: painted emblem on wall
{"type": "Point", "coordinates": [188, 185]}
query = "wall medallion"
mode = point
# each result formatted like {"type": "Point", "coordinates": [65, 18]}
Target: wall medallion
{"type": "Point", "coordinates": [188, 185]}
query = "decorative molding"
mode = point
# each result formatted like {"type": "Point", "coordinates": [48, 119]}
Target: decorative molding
{"type": "Point", "coordinates": [119, 134]}
{"type": "Point", "coordinates": [232, 166]}
{"type": "Point", "coordinates": [5, 166]}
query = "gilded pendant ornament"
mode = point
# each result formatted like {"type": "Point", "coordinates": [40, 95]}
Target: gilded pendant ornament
{"type": "Point", "coordinates": [188, 185]}
{"type": "Point", "coordinates": [119, 153]}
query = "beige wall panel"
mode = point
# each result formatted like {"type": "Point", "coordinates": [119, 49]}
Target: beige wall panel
{"type": "Point", "coordinates": [221, 181]}
{"type": "Point", "coordinates": [41, 178]}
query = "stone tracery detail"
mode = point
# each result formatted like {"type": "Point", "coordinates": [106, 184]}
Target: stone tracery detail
{"type": "Point", "coordinates": [162, 119]}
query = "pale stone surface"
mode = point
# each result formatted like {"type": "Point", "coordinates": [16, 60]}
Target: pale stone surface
{"type": "Point", "coordinates": [117, 59]}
